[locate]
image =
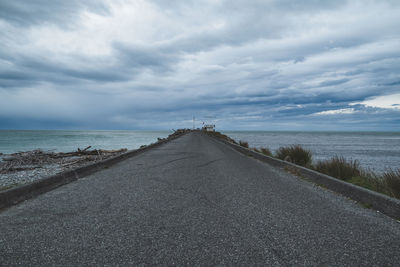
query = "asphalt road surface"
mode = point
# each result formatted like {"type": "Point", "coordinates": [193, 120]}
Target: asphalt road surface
{"type": "Point", "coordinates": [195, 201]}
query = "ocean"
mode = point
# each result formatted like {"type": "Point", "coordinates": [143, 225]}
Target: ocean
{"type": "Point", "coordinates": [374, 151]}
{"type": "Point", "coordinates": [12, 141]}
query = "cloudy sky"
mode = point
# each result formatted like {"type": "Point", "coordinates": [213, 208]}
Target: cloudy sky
{"type": "Point", "coordinates": [244, 65]}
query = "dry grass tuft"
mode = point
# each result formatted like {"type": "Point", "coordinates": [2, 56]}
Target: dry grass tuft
{"type": "Point", "coordinates": [339, 167]}
{"type": "Point", "coordinates": [392, 181]}
{"type": "Point", "coordinates": [244, 144]}
{"type": "Point", "coordinates": [266, 151]}
{"type": "Point", "coordinates": [295, 154]}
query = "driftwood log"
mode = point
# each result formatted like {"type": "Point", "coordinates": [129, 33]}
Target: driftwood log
{"type": "Point", "coordinates": [35, 159]}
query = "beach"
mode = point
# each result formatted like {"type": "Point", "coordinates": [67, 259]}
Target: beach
{"type": "Point", "coordinates": [58, 151]}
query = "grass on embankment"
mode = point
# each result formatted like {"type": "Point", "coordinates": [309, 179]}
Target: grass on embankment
{"type": "Point", "coordinates": [222, 136]}
{"type": "Point", "coordinates": [346, 170]}
{"type": "Point", "coordinates": [350, 171]}
{"type": "Point", "coordinates": [244, 144]}
{"type": "Point", "coordinates": [338, 167]}
{"type": "Point", "coordinates": [295, 154]}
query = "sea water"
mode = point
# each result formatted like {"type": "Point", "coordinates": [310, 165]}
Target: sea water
{"type": "Point", "coordinates": [376, 151]}
{"type": "Point", "coordinates": [12, 141]}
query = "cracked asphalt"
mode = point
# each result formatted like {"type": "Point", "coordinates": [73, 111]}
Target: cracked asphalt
{"type": "Point", "coordinates": [195, 201]}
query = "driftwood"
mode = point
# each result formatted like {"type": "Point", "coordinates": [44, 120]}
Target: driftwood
{"type": "Point", "coordinates": [30, 160]}
{"type": "Point", "coordinates": [44, 160]}
{"type": "Point", "coordinates": [34, 159]}
{"type": "Point", "coordinates": [84, 152]}
{"type": "Point", "coordinates": [84, 149]}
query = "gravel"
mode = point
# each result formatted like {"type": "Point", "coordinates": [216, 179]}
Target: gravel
{"type": "Point", "coordinates": [22, 173]}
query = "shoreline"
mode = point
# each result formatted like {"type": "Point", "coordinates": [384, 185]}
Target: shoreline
{"type": "Point", "coordinates": [26, 167]}
{"type": "Point", "coordinates": [22, 168]}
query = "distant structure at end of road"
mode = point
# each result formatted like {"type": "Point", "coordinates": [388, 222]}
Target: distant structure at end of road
{"type": "Point", "coordinates": [209, 128]}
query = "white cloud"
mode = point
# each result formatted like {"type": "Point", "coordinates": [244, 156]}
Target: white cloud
{"type": "Point", "coordinates": [386, 102]}
{"type": "Point", "coordinates": [337, 111]}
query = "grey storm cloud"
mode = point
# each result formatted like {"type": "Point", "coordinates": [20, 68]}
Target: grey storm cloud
{"type": "Point", "coordinates": [27, 13]}
{"type": "Point", "coordinates": [136, 64]}
{"type": "Point", "coordinates": [145, 57]}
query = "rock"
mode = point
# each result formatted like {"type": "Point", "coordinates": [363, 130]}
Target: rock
{"type": "Point", "coordinates": [9, 158]}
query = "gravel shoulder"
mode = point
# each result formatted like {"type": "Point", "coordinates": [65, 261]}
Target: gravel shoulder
{"type": "Point", "coordinates": [29, 166]}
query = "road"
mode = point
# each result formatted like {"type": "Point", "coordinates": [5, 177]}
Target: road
{"type": "Point", "coordinates": [195, 201]}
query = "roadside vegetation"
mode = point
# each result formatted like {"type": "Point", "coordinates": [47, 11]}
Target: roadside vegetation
{"type": "Point", "coordinates": [295, 154]}
{"type": "Point", "coordinates": [350, 171]}
{"type": "Point", "coordinates": [338, 167]}
{"type": "Point", "coordinates": [392, 181]}
{"type": "Point", "coordinates": [222, 136]}
{"type": "Point", "coordinates": [244, 144]}
{"type": "Point", "coordinates": [266, 151]}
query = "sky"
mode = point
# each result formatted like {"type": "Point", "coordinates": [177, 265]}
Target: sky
{"type": "Point", "coordinates": [310, 65]}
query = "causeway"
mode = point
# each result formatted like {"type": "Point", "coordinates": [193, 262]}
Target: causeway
{"type": "Point", "coordinates": [195, 201]}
